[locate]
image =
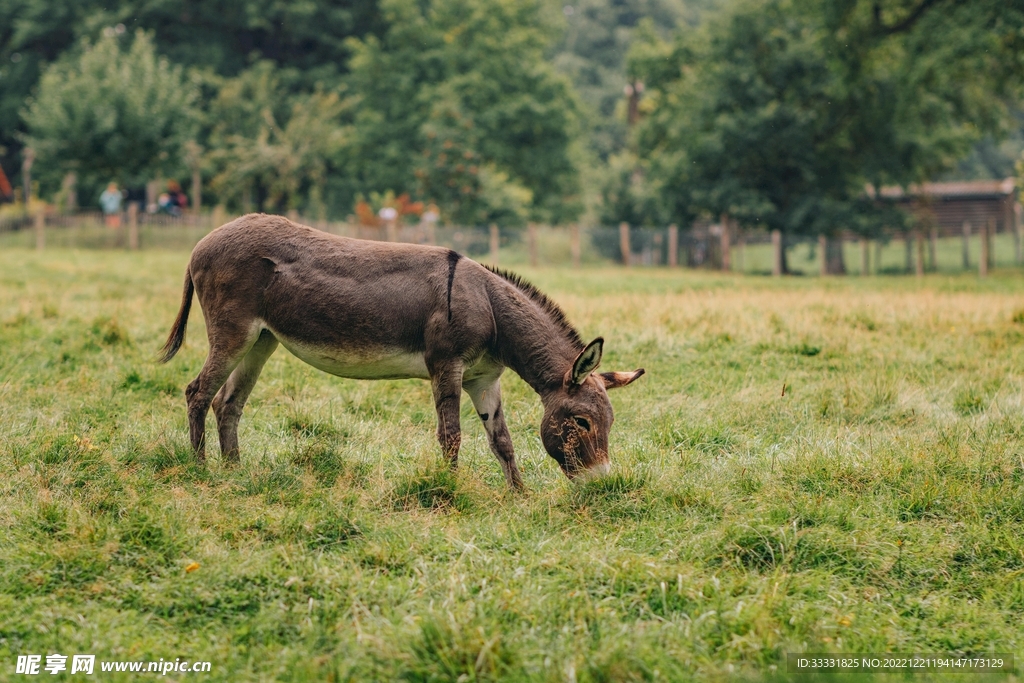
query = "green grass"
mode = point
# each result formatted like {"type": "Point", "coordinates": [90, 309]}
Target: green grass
{"type": "Point", "coordinates": [808, 466]}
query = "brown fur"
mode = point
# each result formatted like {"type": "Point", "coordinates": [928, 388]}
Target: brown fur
{"type": "Point", "coordinates": [380, 310]}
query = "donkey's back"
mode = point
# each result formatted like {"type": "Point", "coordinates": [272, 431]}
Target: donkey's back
{"type": "Point", "coordinates": [319, 289]}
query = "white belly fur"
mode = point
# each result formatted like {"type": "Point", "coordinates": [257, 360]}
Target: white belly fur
{"type": "Point", "coordinates": [382, 363]}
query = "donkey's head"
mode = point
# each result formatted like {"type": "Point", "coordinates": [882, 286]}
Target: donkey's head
{"type": "Point", "coordinates": [578, 415]}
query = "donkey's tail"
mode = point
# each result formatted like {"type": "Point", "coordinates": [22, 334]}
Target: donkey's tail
{"type": "Point", "coordinates": [177, 336]}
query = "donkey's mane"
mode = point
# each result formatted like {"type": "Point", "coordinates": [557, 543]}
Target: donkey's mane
{"type": "Point", "coordinates": [541, 299]}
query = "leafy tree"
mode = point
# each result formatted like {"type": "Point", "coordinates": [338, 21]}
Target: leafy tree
{"type": "Point", "coordinates": [592, 50]}
{"type": "Point", "coordinates": [270, 149]}
{"type": "Point", "coordinates": [780, 111]}
{"type": "Point", "coordinates": [453, 174]}
{"type": "Point", "coordinates": [472, 68]}
{"type": "Point", "coordinates": [109, 113]}
{"type": "Point", "coordinates": [222, 37]}
{"type": "Point", "coordinates": [628, 193]}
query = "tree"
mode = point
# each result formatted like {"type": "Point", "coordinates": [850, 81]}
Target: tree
{"type": "Point", "coordinates": [475, 68]}
{"type": "Point", "coordinates": [223, 37]}
{"type": "Point", "coordinates": [109, 113]}
{"type": "Point", "coordinates": [592, 51]}
{"type": "Point", "coordinates": [271, 149]}
{"type": "Point", "coordinates": [779, 112]}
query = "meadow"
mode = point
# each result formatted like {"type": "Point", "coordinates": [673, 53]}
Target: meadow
{"type": "Point", "coordinates": [809, 465]}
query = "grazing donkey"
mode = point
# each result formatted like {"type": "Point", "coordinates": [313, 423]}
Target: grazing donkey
{"type": "Point", "coordinates": [373, 310]}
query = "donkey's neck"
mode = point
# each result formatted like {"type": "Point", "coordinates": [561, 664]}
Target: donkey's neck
{"type": "Point", "coordinates": [529, 339]}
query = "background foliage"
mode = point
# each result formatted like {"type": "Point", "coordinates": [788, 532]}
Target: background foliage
{"type": "Point", "coordinates": [779, 112]}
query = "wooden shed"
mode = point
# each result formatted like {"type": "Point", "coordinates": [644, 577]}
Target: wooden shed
{"type": "Point", "coordinates": [951, 206]}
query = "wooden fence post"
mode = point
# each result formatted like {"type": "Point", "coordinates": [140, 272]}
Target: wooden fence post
{"type": "Point", "coordinates": [990, 235]}
{"type": "Point", "coordinates": [133, 225]}
{"type": "Point", "coordinates": [933, 248]}
{"type": "Point", "coordinates": [919, 263]}
{"type": "Point", "coordinates": [193, 159]}
{"type": "Point", "coordinates": [153, 192]}
{"type": "Point", "coordinates": [624, 244]}
{"type": "Point", "coordinates": [26, 175]}
{"type": "Point", "coordinates": [864, 256]}
{"type": "Point", "coordinates": [574, 244]}
{"type": "Point", "coordinates": [40, 229]}
{"type": "Point", "coordinates": [823, 251]}
{"type": "Point", "coordinates": [1018, 256]}
{"type": "Point", "coordinates": [908, 253]}
{"type": "Point", "coordinates": [776, 253]}
{"type": "Point", "coordinates": [495, 242]}
{"type": "Point", "coordinates": [531, 237]}
{"type": "Point", "coordinates": [983, 259]}
{"type": "Point", "coordinates": [726, 244]}
{"type": "Point", "coordinates": [673, 246]}
{"type": "Point", "coordinates": [197, 191]}
{"type": "Point", "coordinates": [965, 244]}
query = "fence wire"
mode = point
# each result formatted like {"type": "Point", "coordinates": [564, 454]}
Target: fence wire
{"type": "Point", "coordinates": [702, 246]}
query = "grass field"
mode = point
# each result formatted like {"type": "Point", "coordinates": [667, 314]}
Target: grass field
{"type": "Point", "coordinates": [809, 466]}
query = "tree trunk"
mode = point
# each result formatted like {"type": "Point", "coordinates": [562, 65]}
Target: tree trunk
{"type": "Point", "coordinates": [70, 192]}
{"type": "Point", "coordinates": [726, 243]}
{"type": "Point", "coordinates": [625, 246]}
{"type": "Point", "coordinates": [833, 256]}
{"type": "Point", "coordinates": [822, 255]}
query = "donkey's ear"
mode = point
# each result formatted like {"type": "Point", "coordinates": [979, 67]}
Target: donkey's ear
{"type": "Point", "coordinates": [587, 361]}
{"type": "Point", "coordinates": [614, 380]}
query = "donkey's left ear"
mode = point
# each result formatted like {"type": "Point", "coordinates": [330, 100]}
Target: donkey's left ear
{"type": "Point", "coordinates": [587, 361]}
{"type": "Point", "coordinates": [614, 380]}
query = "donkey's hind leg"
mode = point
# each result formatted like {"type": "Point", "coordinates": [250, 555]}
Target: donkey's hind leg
{"type": "Point", "coordinates": [230, 400]}
{"type": "Point", "coordinates": [446, 382]}
{"type": "Point", "coordinates": [225, 354]}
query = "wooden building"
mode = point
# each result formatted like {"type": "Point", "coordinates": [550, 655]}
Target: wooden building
{"type": "Point", "coordinates": [951, 206]}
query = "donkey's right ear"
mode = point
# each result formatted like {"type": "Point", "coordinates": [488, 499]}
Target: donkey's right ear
{"type": "Point", "coordinates": [614, 380]}
{"type": "Point", "coordinates": [587, 361]}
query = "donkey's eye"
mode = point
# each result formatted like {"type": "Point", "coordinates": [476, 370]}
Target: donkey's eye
{"type": "Point", "coordinates": [582, 422]}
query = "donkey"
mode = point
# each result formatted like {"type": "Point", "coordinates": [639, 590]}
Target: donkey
{"type": "Point", "coordinates": [374, 310]}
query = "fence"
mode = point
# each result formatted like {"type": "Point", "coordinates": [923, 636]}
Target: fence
{"type": "Point", "coordinates": [706, 246]}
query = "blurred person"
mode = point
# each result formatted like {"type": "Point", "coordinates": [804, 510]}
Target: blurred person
{"type": "Point", "coordinates": [166, 205]}
{"type": "Point", "coordinates": [6, 191]}
{"type": "Point", "coordinates": [110, 202]}
{"type": "Point", "coordinates": [178, 198]}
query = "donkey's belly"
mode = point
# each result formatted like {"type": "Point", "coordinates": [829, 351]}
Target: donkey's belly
{"type": "Point", "coordinates": [376, 363]}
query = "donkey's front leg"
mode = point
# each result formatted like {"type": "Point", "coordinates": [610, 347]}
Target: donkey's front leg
{"type": "Point", "coordinates": [446, 381]}
{"type": "Point", "coordinates": [486, 395]}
